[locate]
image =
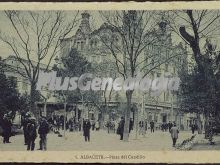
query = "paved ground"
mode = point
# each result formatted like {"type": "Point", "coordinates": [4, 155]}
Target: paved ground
{"type": "Point", "coordinates": [100, 140]}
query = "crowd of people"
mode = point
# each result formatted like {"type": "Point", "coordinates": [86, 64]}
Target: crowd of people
{"type": "Point", "coordinates": [57, 123]}
{"type": "Point", "coordinates": [33, 128]}
{"type": "Point", "coordinates": [173, 129]}
{"type": "Point", "coordinates": [166, 126]}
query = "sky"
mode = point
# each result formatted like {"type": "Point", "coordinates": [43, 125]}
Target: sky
{"type": "Point", "coordinates": [4, 26]}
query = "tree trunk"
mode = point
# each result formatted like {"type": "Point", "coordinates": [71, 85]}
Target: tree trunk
{"type": "Point", "coordinates": [199, 124]}
{"type": "Point", "coordinates": [127, 115]}
{"type": "Point", "coordinates": [136, 122]}
{"type": "Point", "coordinates": [102, 118]}
{"type": "Point", "coordinates": [33, 99]}
{"type": "Point", "coordinates": [206, 126]}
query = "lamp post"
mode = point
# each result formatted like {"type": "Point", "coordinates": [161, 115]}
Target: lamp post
{"type": "Point", "coordinates": [83, 110]}
{"type": "Point", "coordinates": [57, 61]}
{"type": "Point", "coordinates": [172, 117]}
{"type": "Point", "coordinates": [143, 114]}
{"type": "Point", "coordinates": [64, 134]}
{"type": "Point", "coordinates": [168, 75]}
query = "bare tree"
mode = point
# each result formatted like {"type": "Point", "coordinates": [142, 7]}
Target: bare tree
{"type": "Point", "coordinates": [196, 28]}
{"type": "Point", "coordinates": [36, 40]}
{"type": "Point", "coordinates": [130, 34]}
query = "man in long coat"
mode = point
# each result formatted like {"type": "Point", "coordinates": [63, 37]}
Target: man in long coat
{"type": "Point", "coordinates": [43, 131]}
{"type": "Point", "coordinates": [31, 133]}
{"type": "Point", "coordinates": [120, 130]}
{"type": "Point", "coordinates": [152, 126]}
{"type": "Point", "coordinates": [174, 134]}
{"type": "Point", "coordinates": [170, 125]}
{"type": "Point", "coordinates": [6, 126]}
{"type": "Point", "coordinates": [86, 129]}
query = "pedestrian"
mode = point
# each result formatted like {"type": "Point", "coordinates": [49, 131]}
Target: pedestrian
{"type": "Point", "coordinates": [43, 131]}
{"type": "Point", "coordinates": [71, 124]}
{"type": "Point", "coordinates": [113, 125]}
{"type": "Point", "coordinates": [80, 124]}
{"type": "Point", "coordinates": [62, 122]}
{"type": "Point", "coordinates": [120, 130]}
{"type": "Point", "coordinates": [31, 133]}
{"type": "Point", "coordinates": [6, 126]}
{"type": "Point", "coordinates": [24, 123]}
{"type": "Point", "coordinates": [170, 125]}
{"type": "Point", "coordinates": [93, 124]}
{"type": "Point", "coordinates": [141, 127]}
{"type": "Point", "coordinates": [174, 134]}
{"type": "Point", "coordinates": [162, 127]}
{"type": "Point", "coordinates": [152, 126]}
{"type": "Point", "coordinates": [193, 128]}
{"type": "Point", "coordinates": [97, 125]}
{"type": "Point", "coordinates": [86, 129]}
{"type": "Point", "coordinates": [108, 126]}
{"type": "Point", "coordinates": [145, 125]}
{"type": "Point", "coordinates": [166, 127]}
{"type": "Point", "coordinates": [131, 124]}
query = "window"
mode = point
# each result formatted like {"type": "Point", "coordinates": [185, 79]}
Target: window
{"type": "Point", "coordinates": [91, 44]}
{"type": "Point", "coordinates": [13, 80]}
{"type": "Point", "coordinates": [152, 62]}
{"type": "Point", "coordinates": [174, 70]}
{"type": "Point", "coordinates": [95, 43]}
{"type": "Point", "coordinates": [78, 44]}
{"type": "Point", "coordinates": [90, 59]}
{"type": "Point", "coordinates": [155, 117]}
{"type": "Point", "coordinates": [24, 86]}
{"type": "Point", "coordinates": [167, 95]}
{"type": "Point", "coordinates": [152, 74]}
{"type": "Point", "coordinates": [166, 67]}
{"type": "Point", "coordinates": [150, 118]}
{"type": "Point", "coordinates": [158, 74]}
{"type": "Point", "coordinates": [167, 54]}
{"type": "Point", "coordinates": [99, 59]}
{"type": "Point", "coordinates": [116, 38]}
{"type": "Point", "coordinates": [82, 45]}
{"type": "Point", "coordinates": [102, 93]}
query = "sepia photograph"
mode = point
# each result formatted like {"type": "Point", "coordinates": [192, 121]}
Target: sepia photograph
{"type": "Point", "coordinates": [110, 80]}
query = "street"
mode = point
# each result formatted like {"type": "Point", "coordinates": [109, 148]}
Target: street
{"type": "Point", "coordinates": [100, 141]}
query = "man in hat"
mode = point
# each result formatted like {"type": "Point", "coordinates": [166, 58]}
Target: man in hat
{"type": "Point", "coordinates": [6, 126]}
{"type": "Point", "coordinates": [174, 134]}
{"type": "Point", "coordinates": [131, 124]}
{"type": "Point", "coordinates": [170, 125]}
{"type": "Point", "coordinates": [86, 129]}
{"type": "Point", "coordinates": [31, 133]}
{"type": "Point", "coordinates": [25, 120]}
{"type": "Point", "coordinates": [43, 131]}
{"type": "Point", "coordinates": [120, 129]}
{"type": "Point", "coordinates": [152, 126]}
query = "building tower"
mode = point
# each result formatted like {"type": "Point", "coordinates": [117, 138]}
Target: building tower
{"type": "Point", "coordinates": [83, 32]}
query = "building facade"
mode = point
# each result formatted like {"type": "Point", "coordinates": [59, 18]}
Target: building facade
{"type": "Point", "coordinates": [161, 109]}
{"type": "Point", "coordinates": [88, 42]}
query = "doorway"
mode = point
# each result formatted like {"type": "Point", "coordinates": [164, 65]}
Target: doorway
{"type": "Point", "coordinates": [164, 118]}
